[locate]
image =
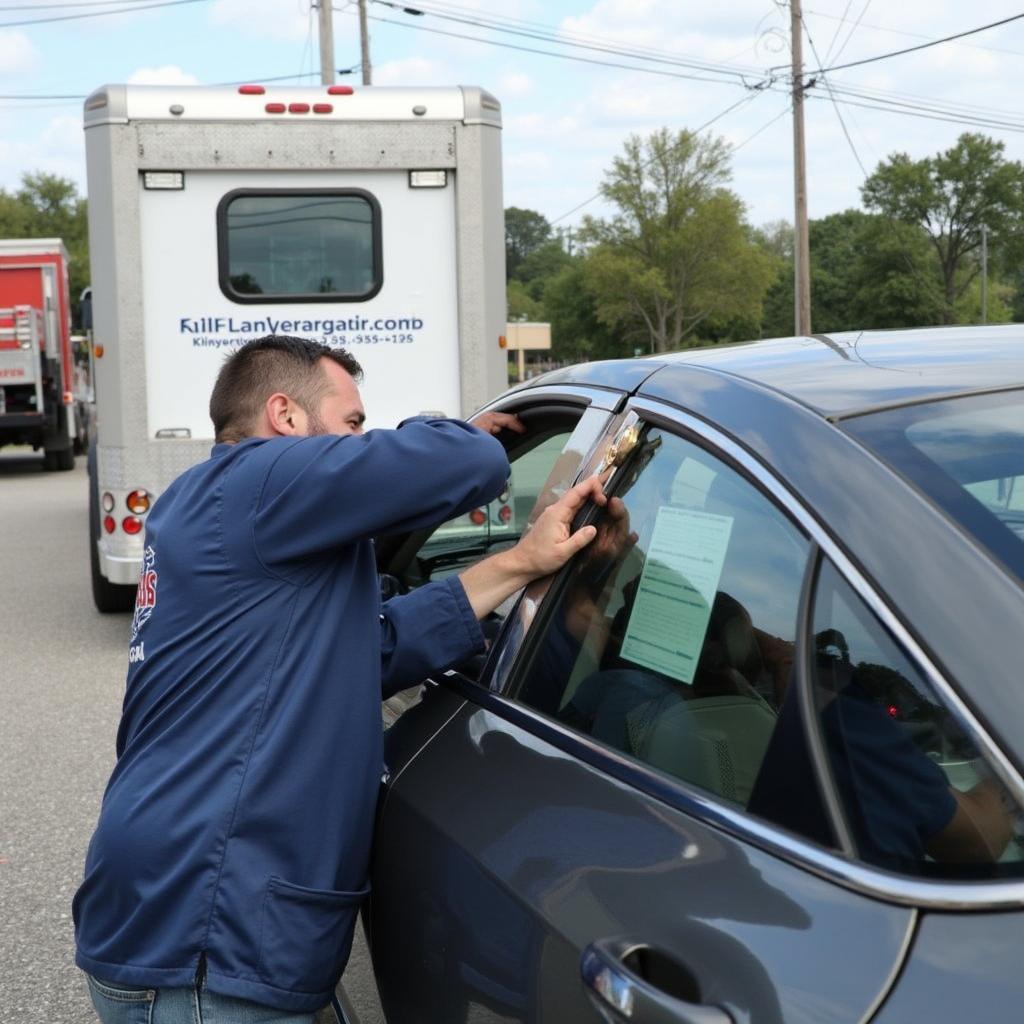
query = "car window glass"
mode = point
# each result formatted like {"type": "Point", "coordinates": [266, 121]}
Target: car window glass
{"type": "Point", "coordinates": [967, 455]}
{"type": "Point", "coordinates": [915, 788]}
{"type": "Point", "coordinates": [461, 541]}
{"type": "Point", "coordinates": [672, 639]}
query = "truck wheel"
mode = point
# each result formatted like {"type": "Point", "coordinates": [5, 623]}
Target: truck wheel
{"type": "Point", "coordinates": [107, 596]}
{"type": "Point", "coordinates": [65, 459]}
{"type": "Point", "coordinates": [49, 461]}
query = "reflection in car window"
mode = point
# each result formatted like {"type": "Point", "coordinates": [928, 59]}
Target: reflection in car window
{"type": "Point", "coordinates": [917, 794]}
{"type": "Point", "coordinates": [461, 541]}
{"type": "Point", "coordinates": [967, 455]}
{"type": "Point", "coordinates": [673, 635]}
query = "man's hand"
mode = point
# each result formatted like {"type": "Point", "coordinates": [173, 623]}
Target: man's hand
{"type": "Point", "coordinates": [549, 544]}
{"type": "Point", "coordinates": [495, 422]}
{"type": "Point", "coordinates": [544, 549]}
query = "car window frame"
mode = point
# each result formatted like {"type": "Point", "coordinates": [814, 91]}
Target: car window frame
{"type": "Point", "coordinates": [839, 867]}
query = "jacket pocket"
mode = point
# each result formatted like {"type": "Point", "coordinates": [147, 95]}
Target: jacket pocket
{"type": "Point", "coordinates": [306, 935]}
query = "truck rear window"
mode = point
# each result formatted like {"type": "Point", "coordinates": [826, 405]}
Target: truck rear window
{"type": "Point", "coordinates": [298, 245]}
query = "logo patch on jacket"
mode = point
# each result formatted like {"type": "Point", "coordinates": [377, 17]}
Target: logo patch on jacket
{"type": "Point", "coordinates": [145, 601]}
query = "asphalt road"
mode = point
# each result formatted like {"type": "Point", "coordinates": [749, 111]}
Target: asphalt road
{"type": "Point", "coordinates": [62, 667]}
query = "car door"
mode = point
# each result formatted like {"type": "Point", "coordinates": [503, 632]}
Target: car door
{"type": "Point", "coordinates": [575, 840]}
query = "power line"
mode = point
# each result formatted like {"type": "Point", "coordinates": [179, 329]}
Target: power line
{"type": "Point", "coordinates": [77, 3]}
{"type": "Point", "coordinates": [835, 106]}
{"type": "Point", "coordinates": [99, 14]}
{"type": "Point", "coordinates": [440, 9]}
{"type": "Point", "coordinates": [839, 28]}
{"type": "Point", "coordinates": [561, 39]}
{"type": "Point", "coordinates": [696, 131]}
{"type": "Point", "coordinates": [563, 56]}
{"type": "Point", "coordinates": [750, 138]}
{"type": "Point", "coordinates": [916, 35]}
{"type": "Point", "coordinates": [922, 46]}
{"type": "Point", "coordinates": [850, 34]}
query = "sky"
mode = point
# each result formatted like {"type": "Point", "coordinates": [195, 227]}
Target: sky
{"type": "Point", "coordinates": [564, 120]}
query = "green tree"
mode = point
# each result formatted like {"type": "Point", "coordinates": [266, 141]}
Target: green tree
{"type": "Point", "coordinates": [521, 305]}
{"type": "Point", "coordinates": [677, 252]}
{"type": "Point", "coordinates": [525, 230]}
{"type": "Point", "coordinates": [541, 265]}
{"type": "Point", "coordinates": [48, 206]}
{"type": "Point", "coordinates": [577, 333]}
{"type": "Point", "coordinates": [951, 196]}
{"type": "Point", "coordinates": [893, 280]}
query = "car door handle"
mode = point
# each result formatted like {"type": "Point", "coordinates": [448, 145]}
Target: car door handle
{"type": "Point", "coordinates": [607, 966]}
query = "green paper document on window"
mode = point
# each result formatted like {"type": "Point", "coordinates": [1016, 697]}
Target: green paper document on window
{"type": "Point", "coordinates": [677, 589]}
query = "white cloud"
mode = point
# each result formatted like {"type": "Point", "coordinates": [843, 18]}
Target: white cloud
{"type": "Point", "coordinates": [279, 19]}
{"type": "Point", "coordinates": [58, 148]}
{"type": "Point", "coordinates": [412, 71]}
{"type": "Point", "coordinates": [515, 85]}
{"type": "Point", "coordinates": [168, 74]}
{"type": "Point", "coordinates": [17, 54]}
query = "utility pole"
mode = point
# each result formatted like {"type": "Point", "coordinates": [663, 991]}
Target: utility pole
{"type": "Point", "coordinates": [801, 245]}
{"type": "Point", "coordinates": [364, 44]}
{"type": "Point", "coordinates": [984, 273]}
{"type": "Point", "coordinates": [326, 43]}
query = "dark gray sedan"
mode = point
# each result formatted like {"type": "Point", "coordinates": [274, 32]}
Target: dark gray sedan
{"type": "Point", "coordinates": [755, 754]}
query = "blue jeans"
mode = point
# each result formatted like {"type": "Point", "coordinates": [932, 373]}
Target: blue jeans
{"type": "Point", "coordinates": [121, 1004]}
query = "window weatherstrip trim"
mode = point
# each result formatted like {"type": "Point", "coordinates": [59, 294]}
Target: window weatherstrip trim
{"type": "Point", "coordinates": [826, 782]}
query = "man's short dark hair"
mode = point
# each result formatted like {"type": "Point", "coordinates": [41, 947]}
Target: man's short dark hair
{"type": "Point", "coordinates": [277, 362]}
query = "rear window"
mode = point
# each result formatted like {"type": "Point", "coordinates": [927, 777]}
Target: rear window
{"type": "Point", "coordinates": [296, 245]}
{"type": "Point", "coordinates": [967, 455]}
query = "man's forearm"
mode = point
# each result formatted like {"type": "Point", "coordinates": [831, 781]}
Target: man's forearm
{"type": "Point", "coordinates": [494, 579]}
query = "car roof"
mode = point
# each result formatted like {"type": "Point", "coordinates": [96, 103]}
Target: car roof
{"type": "Point", "coordinates": [841, 374]}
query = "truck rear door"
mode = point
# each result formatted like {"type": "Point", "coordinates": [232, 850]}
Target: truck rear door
{"type": "Point", "coordinates": [353, 259]}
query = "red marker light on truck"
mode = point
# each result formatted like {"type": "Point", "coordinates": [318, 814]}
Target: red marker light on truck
{"type": "Point", "coordinates": [138, 502]}
{"type": "Point", "coordinates": [478, 517]}
{"type": "Point", "coordinates": [340, 90]}
{"type": "Point", "coordinates": [298, 108]}
{"type": "Point", "coordinates": [505, 513]}
{"type": "Point", "coordinates": [251, 90]}
{"type": "Point", "coordinates": [131, 525]}
{"type": "Point", "coordinates": [275, 108]}
{"type": "Point", "coordinates": [322, 108]}
{"type": "Point", "coordinates": [109, 525]}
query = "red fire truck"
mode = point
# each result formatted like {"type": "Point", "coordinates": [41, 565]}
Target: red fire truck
{"type": "Point", "coordinates": [36, 369]}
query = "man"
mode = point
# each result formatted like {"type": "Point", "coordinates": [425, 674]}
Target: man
{"type": "Point", "coordinates": [232, 850]}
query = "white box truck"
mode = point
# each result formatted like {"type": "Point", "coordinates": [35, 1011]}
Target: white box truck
{"type": "Point", "coordinates": [365, 218]}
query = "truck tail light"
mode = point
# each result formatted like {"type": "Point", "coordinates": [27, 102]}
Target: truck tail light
{"type": "Point", "coordinates": [138, 502]}
{"type": "Point", "coordinates": [108, 501]}
{"type": "Point", "coordinates": [130, 524]}
{"type": "Point", "coordinates": [478, 517]}
{"type": "Point", "coordinates": [505, 513]}
{"type": "Point", "coordinates": [108, 524]}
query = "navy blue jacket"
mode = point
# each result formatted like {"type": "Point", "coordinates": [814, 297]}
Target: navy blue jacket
{"type": "Point", "coordinates": [235, 830]}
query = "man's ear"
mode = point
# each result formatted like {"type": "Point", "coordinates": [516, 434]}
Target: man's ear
{"type": "Point", "coordinates": [283, 415]}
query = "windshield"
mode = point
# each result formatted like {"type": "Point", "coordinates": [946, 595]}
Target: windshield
{"type": "Point", "coordinates": [967, 455]}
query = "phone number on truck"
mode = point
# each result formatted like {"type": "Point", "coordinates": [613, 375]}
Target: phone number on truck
{"type": "Point", "coordinates": [369, 339]}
